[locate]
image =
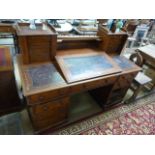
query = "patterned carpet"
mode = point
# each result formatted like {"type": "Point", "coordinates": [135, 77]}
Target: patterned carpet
{"type": "Point", "coordinates": [136, 118]}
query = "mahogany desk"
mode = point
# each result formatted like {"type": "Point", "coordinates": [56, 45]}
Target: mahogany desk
{"type": "Point", "coordinates": [48, 93]}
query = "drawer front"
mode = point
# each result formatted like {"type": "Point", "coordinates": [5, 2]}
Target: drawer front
{"type": "Point", "coordinates": [50, 113]}
{"type": "Point", "coordinates": [94, 84]}
{"type": "Point", "coordinates": [47, 96]}
{"type": "Point", "coordinates": [124, 80]}
{"type": "Point", "coordinates": [77, 88]}
{"type": "Point", "coordinates": [6, 29]}
{"type": "Point", "coordinates": [100, 83]}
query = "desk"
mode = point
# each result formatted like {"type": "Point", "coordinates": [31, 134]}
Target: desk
{"type": "Point", "coordinates": [49, 77]}
{"type": "Point", "coordinates": [48, 94]}
{"type": "Point", "coordinates": [148, 53]}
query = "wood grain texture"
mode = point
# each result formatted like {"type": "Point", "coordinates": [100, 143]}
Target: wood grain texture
{"type": "Point", "coordinates": [7, 28]}
{"type": "Point", "coordinates": [36, 45]}
{"type": "Point", "coordinates": [9, 100]}
{"type": "Point", "coordinates": [5, 59]}
{"type": "Point", "coordinates": [112, 42]}
{"type": "Point", "coordinates": [49, 114]}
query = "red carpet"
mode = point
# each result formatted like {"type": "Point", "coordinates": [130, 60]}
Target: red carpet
{"type": "Point", "coordinates": [137, 118]}
{"type": "Point", "coordinates": [140, 121]}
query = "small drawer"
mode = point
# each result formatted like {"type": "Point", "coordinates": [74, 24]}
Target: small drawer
{"type": "Point", "coordinates": [94, 84]}
{"type": "Point", "coordinates": [111, 80]}
{"type": "Point", "coordinates": [77, 88]}
{"type": "Point", "coordinates": [43, 97]}
{"type": "Point", "coordinates": [50, 113]}
{"type": "Point", "coordinates": [100, 83]}
{"type": "Point", "coordinates": [64, 91]}
{"type": "Point", "coordinates": [47, 96]}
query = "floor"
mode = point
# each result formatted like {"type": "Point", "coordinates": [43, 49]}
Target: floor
{"type": "Point", "coordinates": [19, 123]}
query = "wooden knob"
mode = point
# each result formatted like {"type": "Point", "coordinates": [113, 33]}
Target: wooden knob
{"type": "Point", "coordinates": [41, 97]}
{"type": "Point", "coordinates": [45, 108]}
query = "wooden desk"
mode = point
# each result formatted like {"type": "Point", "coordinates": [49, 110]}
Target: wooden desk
{"type": "Point", "coordinates": [148, 53]}
{"type": "Point", "coordinates": [48, 94]}
{"type": "Point", "coordinates": [52, 73]}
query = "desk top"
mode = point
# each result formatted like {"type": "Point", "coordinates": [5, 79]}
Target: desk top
{"type": "Point", "coordinates": [148, 50]}
{"type": "Point", "coordinates": [43, 77]}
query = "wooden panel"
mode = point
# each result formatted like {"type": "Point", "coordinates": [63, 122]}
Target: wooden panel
{"type": "Point", "coordinates": [100, 83]}
{"type": "Point", "coordinates": [47, 96]}
{"type": "Point", "coordinates": [112, 42]}
{"type": "Point", "coordinates": [5, 59]}
{"type": "Point", "coordinates": [50, 113]}
{"type": "Point", "coordinates": [9, 100]}
{"type": "Point", "coordinates": [77, 88]}
{"type": "Point", "coordinates": [7, 28]}
{"type": "Point", "coordinates": [23, 49]}
{"type": "Point", "coordinates": [125, 80]}
{"type": "Point", "coordinates": [36, 45]}
{"type": "Point", "coordinates": [77, 44]}
{"type": "Point", "coordinates": [43, 97]}
{"type": "Point", "coordinates": [120, 89]}
{"type": "Point", "coordinates": [23, 29]}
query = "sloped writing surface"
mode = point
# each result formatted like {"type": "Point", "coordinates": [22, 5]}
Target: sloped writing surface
{"type": "Point", "coordinates": [85, 64]}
